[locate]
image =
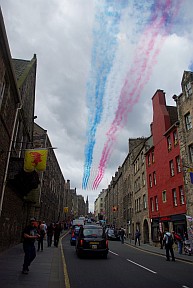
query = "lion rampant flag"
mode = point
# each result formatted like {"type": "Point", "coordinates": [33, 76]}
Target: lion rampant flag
{"type": "Point", "coordinates": [35, 159]}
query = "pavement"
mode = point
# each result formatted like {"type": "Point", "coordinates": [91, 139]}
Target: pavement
{"type": "Point", "coordinates": [47, 269]}
{"type": "Point", "coordinates": [157, 250]}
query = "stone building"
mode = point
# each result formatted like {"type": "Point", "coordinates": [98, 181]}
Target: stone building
{"type": "Point", "coordinates": [140, 219]}
{"type": "Point", "coordinates": [24, 194]}
{"type": "Point", "coordinates": [184, 104]}
{"type": "Point", "coordinates": [17, 84]}
{"type": "Point", "coordinates": [49, 199]}
{"type": "Point", "coordinates": [99, 206]}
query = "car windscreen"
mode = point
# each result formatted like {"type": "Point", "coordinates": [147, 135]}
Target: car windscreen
{"type": "Point", "coordinates": [76, 229]}
{"type": "Point", "coordinates": [92, 233]}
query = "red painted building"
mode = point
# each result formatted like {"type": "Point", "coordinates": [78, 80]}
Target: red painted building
{"type": "Point", "coordinates": [167, 204]}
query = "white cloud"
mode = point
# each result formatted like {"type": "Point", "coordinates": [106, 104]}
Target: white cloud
{"type": "Point", "coordinates": [60, 33]}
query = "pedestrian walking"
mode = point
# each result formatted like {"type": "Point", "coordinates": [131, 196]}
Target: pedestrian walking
{"type": "Point", "coordinates": [137, 237]}
{"type": "Point", "coordinates": [41, 232]}
{"type": "Point", "coordinates": [122, 234]}
{"type": "Point", "coordinates": [169, 241]}
{"type": "Point", "coordinates": [50, 233]}
{"type": "Point", "coordinates": [29, 236]}
{"type": "Point", "coordinates": [57, 231]}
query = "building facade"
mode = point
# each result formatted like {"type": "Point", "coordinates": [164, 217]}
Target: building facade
{"type": "Point", "coordinates": [184, 104]}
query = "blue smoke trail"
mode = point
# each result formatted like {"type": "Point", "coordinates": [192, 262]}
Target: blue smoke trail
{"type": "Point", "coordinates": [104, 47]}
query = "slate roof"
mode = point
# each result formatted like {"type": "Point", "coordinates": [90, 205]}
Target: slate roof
{"type": "Point", "coordinates": [19, 67]}
{"type": "Point", "coordinates": [172, 110]}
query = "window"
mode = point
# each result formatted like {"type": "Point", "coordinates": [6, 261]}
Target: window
{"type": "Point", "coordinates": [2, 82]}
{"type": "Point", "coordinates": [150, 181]}
{"type": "Point", "coordinates": [142, 158]}
{"type": "Point", "coordinates": [2, 91]}
{"type": "Point", "coordinates": [152, 155]}
{"type": "Point", "coordinates": [156, 203]}
{"type": "Point", "coordinates": [144, 202]}
{"type": "Point", "coordinates": [174, 197]}
{"type": "Point", "coordinates": [191, 153]}
{"type": "Point", "coordinates": [188, 121]}
{"type": "Point", "coordinates": [149, 160]}
{"type": "Point", "coordinates": [154, 178]}
{"type": "Point", "coordinates": [181, 194]}
{"type": "Point", "coordinates": [139, 203]}
{"type": "Point", "coordinates": [151, 203]}
{"type": "Point", "coordinates": [143, 179]}
{"type": "Point", "coordinates": [164, 196]}
{"type": "Point", "coordinates": [169, 143]}
{"type": "Point", "coordinates": [175, 136]}
{"type": "Point", "coordinates": [172, 168]}
{"type": "Point", "coordinates": [178, 166]}
{"type": "Point", "coordinates": [188, 89]}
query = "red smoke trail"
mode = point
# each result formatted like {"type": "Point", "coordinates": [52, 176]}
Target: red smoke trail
{"type": "Point", "coordinates": [126, 101]}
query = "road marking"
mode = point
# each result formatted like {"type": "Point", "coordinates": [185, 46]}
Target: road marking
{"type": "Point", "coordinates": [113, 253]}
{"type": "Point", "coordinates": [184, 286]}
{"type": "Point", "coordinates": [142, 266]}
{"type": "Point", "coordinates": [66, 278]}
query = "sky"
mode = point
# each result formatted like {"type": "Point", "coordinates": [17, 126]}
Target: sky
{"type": "Point", "coordinates": [99, 62]}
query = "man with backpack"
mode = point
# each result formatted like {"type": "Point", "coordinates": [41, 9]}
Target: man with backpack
{"type": "Point", "coordinates": [169, 241]}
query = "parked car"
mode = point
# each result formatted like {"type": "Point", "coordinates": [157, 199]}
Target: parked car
{"type": "Point", "coordinates": [74, 234]}
{"type": "Point", "coordinates": [92, 240]}
{"type": "Point", "coordinates": [112, 234]}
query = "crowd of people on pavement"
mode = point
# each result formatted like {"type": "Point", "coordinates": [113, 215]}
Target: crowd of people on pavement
{"type": "Point", "coordinates": [38, 230]}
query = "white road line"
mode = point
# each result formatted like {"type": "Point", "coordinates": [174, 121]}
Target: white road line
{"type": "Point", "coordinates": [142, 266]}
{"type": "Point", "coordinates": [113, 253]}
{"type": "Point", "coordinates": [184, 286]}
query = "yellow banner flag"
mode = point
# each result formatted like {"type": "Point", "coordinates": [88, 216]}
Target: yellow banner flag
{"type": "Point", "coordinates": [65, 209]}
{"type": "Point", "coordinates": [35, 159]}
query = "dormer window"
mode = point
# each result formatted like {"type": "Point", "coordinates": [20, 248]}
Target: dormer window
{"type": "Point", "coordinates": [175, 135]}
{"type": "Point", "coordinates": [169, 143]}
{"type": "Point", "coordinates": [188, 89]}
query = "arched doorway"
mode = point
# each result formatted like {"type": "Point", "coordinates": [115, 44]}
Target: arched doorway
{"type": "Point", "coordinates": [145, 231]}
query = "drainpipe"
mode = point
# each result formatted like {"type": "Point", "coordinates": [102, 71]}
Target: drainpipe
{"type": "Point", "coordinates": [8, 158]}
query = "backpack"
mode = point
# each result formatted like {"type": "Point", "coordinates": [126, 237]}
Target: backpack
{"type": "Point", "coordinates": [177, 237]}
{"type": "Point", "coordinates": [170, 240]}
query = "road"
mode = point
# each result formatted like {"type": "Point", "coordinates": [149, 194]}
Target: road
{"type": "Point", "coordinates": [125, 267]}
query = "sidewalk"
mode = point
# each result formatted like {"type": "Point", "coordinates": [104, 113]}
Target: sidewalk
{"type": "Point", "coordinates": [46, 271]}
{"type": "Point", "coordinates": [157, 250]}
